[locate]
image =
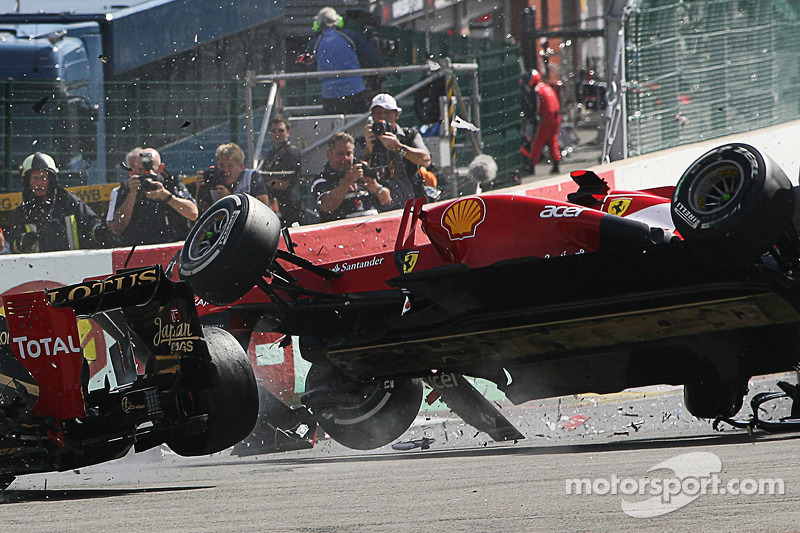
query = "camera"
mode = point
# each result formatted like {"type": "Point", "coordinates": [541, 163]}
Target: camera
{"type": "Point", "coordinates": [147, 182]}
{"type": "Point", "coordinates": [382, 127]}
{"type": "Point", "coordinates": [379, 127]}
{"type": "Point", "coordinates": [372, 172]}
{"type": "Point", "coordinates": [147, 162]}
{"type": "Point", "coordinates": [213, 177]}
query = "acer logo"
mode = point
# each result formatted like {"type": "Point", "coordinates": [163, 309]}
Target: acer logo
{"type": "Point", "coordinates": [560, 211]}
{"type": "Point", "coordinates": [33, 348]}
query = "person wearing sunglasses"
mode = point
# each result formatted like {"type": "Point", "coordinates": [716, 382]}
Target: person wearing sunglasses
{"type": "Point", "coordinates": [281, 172]}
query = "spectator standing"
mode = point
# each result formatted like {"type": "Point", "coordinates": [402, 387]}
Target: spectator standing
{"type": "Point", "coordinates": [280, 170]}
{"type": "Point", "coordinates": [334, 48]}
{"type": "Point", "coordinates": [153, 206]}
{"type": "Point", "coordinates": [396, 154]}
{"type": "Point", "coordinates": [229, 177]}
{"type": "Point", "coordinates": [50, 218]}
{"type": "Point", "coordinates": [549, 110]}
{"type": "Point", "coordinates": [342, 190]}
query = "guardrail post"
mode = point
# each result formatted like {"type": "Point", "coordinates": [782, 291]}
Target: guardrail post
{"type": "Point", "coordinates": [140, 115]}
{"type": "Point", "coordinates": [248, 113]}
{"type": "Point", "coordinates": [233, 115]}
{"type": "Point", "coordinates": [9, 126]}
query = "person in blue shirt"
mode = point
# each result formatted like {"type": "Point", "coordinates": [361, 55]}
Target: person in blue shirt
{"type": "Point", "coordinates": [334, 48]}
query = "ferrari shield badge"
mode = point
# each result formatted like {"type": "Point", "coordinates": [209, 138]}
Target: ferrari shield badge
{"type": "Point", "coordinates": [406, 260]}
{"type": "Point", "coordinates": [619, 206]}
{"type": "Point", "coordinates": [461, 218]}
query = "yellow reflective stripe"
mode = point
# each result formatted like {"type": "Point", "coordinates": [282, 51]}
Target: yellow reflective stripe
{"type": "Point", "coordinates": [72, 232]}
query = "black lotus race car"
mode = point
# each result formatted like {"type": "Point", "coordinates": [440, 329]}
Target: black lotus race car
{"type": "Point", "coordinates": [694, 285]}
{"type": "Point", "coordinates": [194, 388]}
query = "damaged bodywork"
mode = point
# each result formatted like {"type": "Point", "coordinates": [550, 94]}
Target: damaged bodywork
{"type": "Point", "coordinates": [689, 285]}
{"type": "Point", "coordinates": [175, 381]}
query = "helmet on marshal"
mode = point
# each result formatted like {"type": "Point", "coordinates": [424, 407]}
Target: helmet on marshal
{"type": "Point", "coordinates": [39, 161]}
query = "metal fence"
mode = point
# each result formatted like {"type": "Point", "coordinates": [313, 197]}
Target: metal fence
{"type": "Point", "coordinates": [185, 120]}
{"type": "Point", "coordinates": [699, 69]}
{"type": "Point", "coordinates": [188, 120]}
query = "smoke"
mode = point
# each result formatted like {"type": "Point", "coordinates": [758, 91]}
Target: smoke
{"type": "Point", "coordinates": [482, 169]}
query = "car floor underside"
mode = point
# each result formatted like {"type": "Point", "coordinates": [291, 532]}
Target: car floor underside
{"type": "Point", "coordinates": [116, 419]}
{"type": "Point", "coordinates": [599, 322]}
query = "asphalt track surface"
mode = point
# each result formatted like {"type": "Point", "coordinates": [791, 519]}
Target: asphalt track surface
{"type": "Point", "coordinates": [464, 482]}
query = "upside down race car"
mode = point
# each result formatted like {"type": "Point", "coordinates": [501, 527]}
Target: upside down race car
{"type": "Point", "coordinates": [175, 381]}
{"type": "Point", "coordinates": [693, 284]}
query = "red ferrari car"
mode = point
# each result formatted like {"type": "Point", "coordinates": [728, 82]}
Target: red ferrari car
{"type": "Point", "coordinates": [691, 285]}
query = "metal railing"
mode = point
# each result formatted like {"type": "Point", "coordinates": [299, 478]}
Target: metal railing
{"type": "Point", "coordinates": [435, 70]}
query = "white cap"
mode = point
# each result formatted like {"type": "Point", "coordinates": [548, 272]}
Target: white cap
{"type": "Point", "coordinates": [385, 101]}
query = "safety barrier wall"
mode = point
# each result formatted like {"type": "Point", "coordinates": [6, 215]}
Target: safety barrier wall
{"type": "Point", "coordinates": [331, 240]}
{"type": "Point", "coordinates": [351, 238]}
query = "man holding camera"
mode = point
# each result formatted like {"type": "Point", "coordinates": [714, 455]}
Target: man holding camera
{"type": "Point", "coordinates": [153, 207]}
{"type": "Point", "coordinates": [229, 177]}
{"type": "Point", "coordinates": [393, 153]}
{"type": "Point", "coordinates": [343, 190]}
{"type": "Point", "coordinates": [281, 172]}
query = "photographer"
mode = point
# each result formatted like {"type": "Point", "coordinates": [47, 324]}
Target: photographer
{"type": "Point", "coordinates": [50, 218]}
{"type": "Point", "coordinates": [394, 154]}
{"type": "Point", "coordinates": [342, 189]}
{"type": "Point", "coordinates": [153, 207]}
{"type": "Point", "coordinates": [280, 170]}
{"type": "Point", "coordinates": [229, 177]}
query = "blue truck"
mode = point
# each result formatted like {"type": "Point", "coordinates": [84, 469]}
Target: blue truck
{"type": "Point", "coordinates": [58, 70]}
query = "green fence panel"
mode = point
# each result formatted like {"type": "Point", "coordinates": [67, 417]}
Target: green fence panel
{"type": "Point", "coordinates": [190, 118]}
{"type": "Point", "coordinates": [700, 69]}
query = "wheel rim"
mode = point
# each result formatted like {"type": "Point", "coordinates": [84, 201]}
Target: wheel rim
{"type": "Point", "coordinates": [371, 399]}
{"type": "Point", "coordinates": [718, 186]}
{"type": "Point", "coordinates": [208, 235]}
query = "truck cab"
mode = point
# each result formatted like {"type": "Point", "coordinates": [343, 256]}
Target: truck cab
{"type": "Point", "coordinates": [54, 70]}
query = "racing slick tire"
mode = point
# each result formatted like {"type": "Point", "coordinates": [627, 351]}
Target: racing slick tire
{"type": "Point", "coordinates": [362, 416]}
{"type": "Point", "coordinates": [231, 406]}
{"type": "Point", "coordinates": [732, 205]}
{"type": "Point", "coordinates": [230, 248]}
{"type": "Point", "coordinates": [714, 398]}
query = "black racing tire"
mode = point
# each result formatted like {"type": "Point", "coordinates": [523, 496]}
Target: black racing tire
{"type": "Point", "coordinates": [732, 205]}
{"type": "Point", "coordinates": [231, 406]}
{"type": "Point", "coordinates": [362, 416]}
{"type": "Point", "coordinates": [230, 248]}
{"type": "Point", "coordinates": [714, 398]}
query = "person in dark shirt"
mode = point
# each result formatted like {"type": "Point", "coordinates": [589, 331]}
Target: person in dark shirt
{"type": "Point", "coordinates": [280, 170]}
{"type": "Point", "coordinates": [229, 177]}
{"type": "Point", "coordinates": [152, 207]}
{"type": "Point", "coordinates": [50, 218]}
{"type": "Point", "coordinates": [342, 190]}
{"type": "Point", "coordinates": [396, 154]}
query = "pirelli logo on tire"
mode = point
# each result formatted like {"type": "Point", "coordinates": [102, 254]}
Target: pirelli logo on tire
{"type": "Point", "coordinates": [683, 212]}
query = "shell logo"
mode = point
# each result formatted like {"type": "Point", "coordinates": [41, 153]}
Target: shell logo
{"type": "Point", "coordinates": [462, 218]}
